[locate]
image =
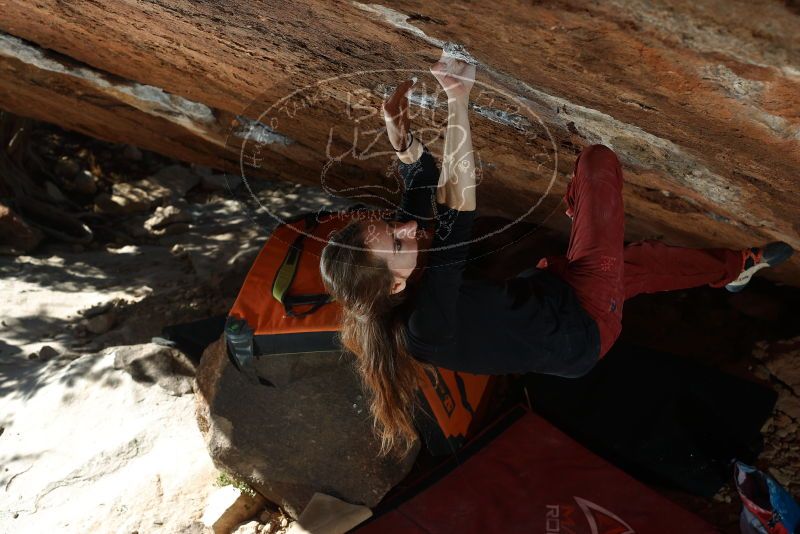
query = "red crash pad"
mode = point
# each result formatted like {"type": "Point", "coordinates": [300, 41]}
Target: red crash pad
{"type": "Point", "coordinates": [532, 478]}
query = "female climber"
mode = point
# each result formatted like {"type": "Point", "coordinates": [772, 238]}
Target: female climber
{"type": "Point", "coordinates": [559, 317]}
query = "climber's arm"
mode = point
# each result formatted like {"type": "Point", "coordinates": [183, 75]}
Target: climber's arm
{"type": "Point", "coordinates": [458, 178]}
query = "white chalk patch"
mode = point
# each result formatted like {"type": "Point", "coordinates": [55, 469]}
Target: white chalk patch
{"type": "Point", "coordinates": [457, 51]}
{"type": "Point", "coordinates": [424, 100]}
{"type": "Point", "coordinates": [734, 85]}
{"type": "Point", "coordinates": [500, 116]}
{"type": "Point", "coordinates": [398, 20]}
{"type": "Point", "coordinates": [259, 133]}
{"type": "Point", "coordinates": [149, 99]}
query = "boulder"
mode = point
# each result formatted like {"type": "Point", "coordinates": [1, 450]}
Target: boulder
{"type": "Point", "coordinates": [156, 364]}
{"type": "Point", "coordinates": [172, 229]}
{"type": "Point", "coordinates": [169, 183]}
{"type": "Point", "coordinates": [176, 179]}
{"type": "Point", "coordinates": [220, 182]}
{"type": "Point", "coordinates": [47, 353]}
{"type": "Point", "coordinates": [54, 193]}
{"type": "Point", "coordinates": [100, 324]}
{"type": "Point", "coordinates": [132, 153]}
{"type": "Point", "coordinates": [17, 236]}
{"type": "Point", "coordinates": [168, 220]}
{"type": "Point", "coordinates": [84, 183]}
{"type": "Point", "coordinates": [166, 215]}
{"type": "Point", "coordinates": [789, 404]}
{"type": "Point", "coordinates": [784, 363]}
{"type": "Point", "coordinates": [127, 198]}
{"type": "Point", "coordinates": [66, 167]}
{"type": "Point", "coordinates": [304, 429]}
{"type": "Point", "coordinates": [201, 170]}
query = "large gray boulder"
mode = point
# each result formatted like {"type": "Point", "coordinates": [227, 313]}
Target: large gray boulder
{"type": "Point", "coordinates": [309, 431]}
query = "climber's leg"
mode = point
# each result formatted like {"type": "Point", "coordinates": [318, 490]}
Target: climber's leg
{"type": "Point", "coordinates": [594, 262]}
{"type": "Point", "coordinates": [652, 266]}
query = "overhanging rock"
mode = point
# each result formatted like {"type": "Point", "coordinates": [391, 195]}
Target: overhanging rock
{"type": "Point", "coordinates": [701, 101]}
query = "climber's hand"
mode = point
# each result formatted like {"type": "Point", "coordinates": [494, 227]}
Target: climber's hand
{"type": "Point", "coordinates": [455, 76]}
{"type": "Point", "coordinates": [395, 113]}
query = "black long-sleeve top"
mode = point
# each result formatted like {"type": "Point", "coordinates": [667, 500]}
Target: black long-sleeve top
{"type": "Point", "coordinates": [529, 323]}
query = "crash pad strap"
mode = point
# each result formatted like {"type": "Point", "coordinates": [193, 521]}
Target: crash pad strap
{"type": "Point", "coordinates": [285, 276]}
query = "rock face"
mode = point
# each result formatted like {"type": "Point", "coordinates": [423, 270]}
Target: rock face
{"type": "Point", "coordinates": [87, 448]}
{"type": "Point", "coordinates": [307, 432]}
{"type": "Point", "coordinates": [15, 235]}
{"type": "Point", "coordinates": [700, 100]}
{"type": "Point", "coordinates": [154, 364]}
{"type": "Point", "coordinates": [778, 364]}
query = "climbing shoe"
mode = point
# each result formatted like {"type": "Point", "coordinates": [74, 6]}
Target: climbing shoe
{"type": "Point", "coordinates": [758, 258]}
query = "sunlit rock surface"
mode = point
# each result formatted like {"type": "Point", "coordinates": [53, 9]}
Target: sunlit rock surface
{"type": "Point", "coordinates": [700, 101]}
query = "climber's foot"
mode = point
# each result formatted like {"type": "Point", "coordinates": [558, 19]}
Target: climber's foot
{"type": "Point", "coordinates": [758, 258]}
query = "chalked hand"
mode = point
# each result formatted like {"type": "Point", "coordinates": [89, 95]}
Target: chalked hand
{"type": "Point", "coordinates": [454, 75]}
{"type": "Point", "coordinates": [395, 113]}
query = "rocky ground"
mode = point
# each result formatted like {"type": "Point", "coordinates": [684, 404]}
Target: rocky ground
{"type": "Point", "coordinates": [752, 334]}
{"type": "Point", "coordinates": [82, 427]}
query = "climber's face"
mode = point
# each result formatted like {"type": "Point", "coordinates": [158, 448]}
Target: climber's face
{"type": "Point", "coordinates": [397, 243]}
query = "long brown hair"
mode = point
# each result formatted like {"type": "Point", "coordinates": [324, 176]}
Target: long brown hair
{"type": "Point", "coordinates": [373, 330]}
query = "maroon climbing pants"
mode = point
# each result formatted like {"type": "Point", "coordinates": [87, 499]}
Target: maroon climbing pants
{"type": "Point", "coordinates": [602, 271]}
